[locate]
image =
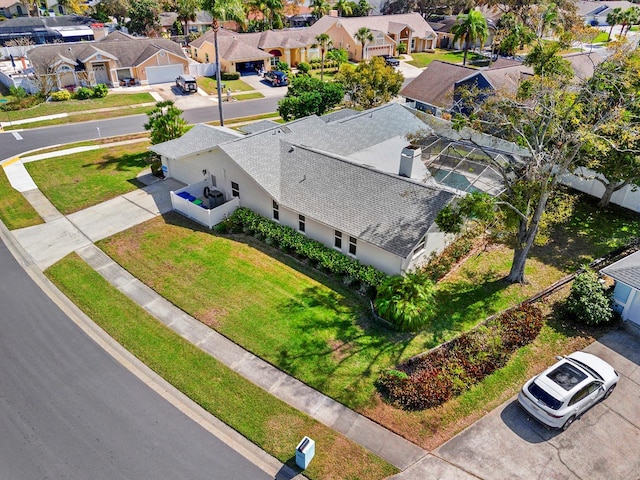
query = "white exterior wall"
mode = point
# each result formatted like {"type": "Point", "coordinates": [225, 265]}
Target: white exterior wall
{"type": "Point", "coordinates": [625, 197]}
{"type": "Point", "coordinates": [627, 304]}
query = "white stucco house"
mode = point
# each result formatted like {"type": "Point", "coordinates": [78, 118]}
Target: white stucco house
{"type": "Point", "coordinates": [626, 294]}
{"type": "Point", "coordinates": [348, 180]}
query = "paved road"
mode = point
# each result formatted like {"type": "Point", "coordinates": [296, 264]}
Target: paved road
{"type": "Point", "coordinates": [12, 144]}
{"type": "Point", "coordinates": [69, 410]}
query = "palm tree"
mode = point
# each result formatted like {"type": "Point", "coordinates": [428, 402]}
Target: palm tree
{"type": "Point", "coordinates": [222, 10]}
{"type": "Point", "coordinates": [470, 28]}
{"type": "Point", "coordinates": [632, 17]}
{"type": "Point", "coordinates": [323, 40]}
{"type": "Point", "coordinates": [320, 7]}
{"type": "Point", "coordinates": [613, 18]}
{"type": "Point", "coordinates": [343, 6]}
{"type": "Point", "coordinates": [364, 36]}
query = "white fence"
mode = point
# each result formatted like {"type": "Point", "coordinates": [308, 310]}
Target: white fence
{"type": "Point", "coordinates": [202, 69]}
{"type": "Point", "coordinates": [585, 182]}
{"type": "Point", "coordinates": [204, 216]}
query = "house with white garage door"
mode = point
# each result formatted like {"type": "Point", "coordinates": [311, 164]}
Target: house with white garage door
{"type": "Point", "coordinates": [118, 59]}
{"type": "Point", "coordinates": [626, 294]}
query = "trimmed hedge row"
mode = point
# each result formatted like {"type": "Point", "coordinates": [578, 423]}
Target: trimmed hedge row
{"type": "Point", "coordinates": [290, 241]}
{"type": "Point", "coordinates": [450, 369]}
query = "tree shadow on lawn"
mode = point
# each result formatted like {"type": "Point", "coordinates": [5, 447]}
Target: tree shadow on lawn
{"type": "Point", "coordinates": [121, 163]}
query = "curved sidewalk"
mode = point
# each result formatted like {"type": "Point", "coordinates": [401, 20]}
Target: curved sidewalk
{"type": "Point", "coordinates": [48, 243]}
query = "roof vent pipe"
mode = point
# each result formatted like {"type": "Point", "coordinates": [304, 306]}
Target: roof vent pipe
{"type": "Point", "coordinates": [410, 158]}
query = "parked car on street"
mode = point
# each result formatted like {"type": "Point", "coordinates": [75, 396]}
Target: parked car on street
{"type": "Point", "coordinates": [567, 389]}
{"type": "Point", "coordinates": [276, 78]}
{"type": "Point", "coordinates": [187, 84]}
{"type": "Point", "coordinates": [391, 60]}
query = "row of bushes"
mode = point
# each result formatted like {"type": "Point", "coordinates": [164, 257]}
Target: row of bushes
{"type": "Point", "coordinates": [450, 369]}
{"type": "Point", "coordinates": [286, 238]}
{"type": "Point", "coordinates": [83, 93]}
{"type": "Point", "coordinates": [21, 99]}
{"type": "Point", "coordinates": [316, 63]}
{"type": "Point", "coordinates": [229, 75]}
{"type": "Point", "coordinates": [440, 264]}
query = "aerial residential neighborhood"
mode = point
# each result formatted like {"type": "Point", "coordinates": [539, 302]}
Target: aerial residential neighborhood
{"type": "Point", "coordinates": [319, 240]}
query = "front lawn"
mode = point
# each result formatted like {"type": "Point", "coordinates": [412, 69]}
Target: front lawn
{"type": "Point", "coordinates": [209, 85]}
{"type": "Point", "coordinates": [15, 211]}
{"type": "Point", "coordinates": [266, 421]}
{"type": "Point", "coordinates": [88, 178]}
{"type": "Point", "coordinates": [423, 59]}
{"type": "Point", "coordinates": [50, 108]}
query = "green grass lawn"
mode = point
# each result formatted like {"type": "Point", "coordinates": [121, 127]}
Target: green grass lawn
{"type": "Point", "coordinates": [208, 84]}
{"type": "Point", "coordinates": [423, 59]}
{"type": "Point", "coordinates": [50, 108]}
{"type": "Point", "coordinates": [15, 211]}
{"type": "Point", "coordinates": [88, 178]}
{"type": "Point", "coordinates": [266, 421]}
{"type": "Point", "coordinates": [248, 96]}
{"type": "Point", "coordinates": [602, 37]}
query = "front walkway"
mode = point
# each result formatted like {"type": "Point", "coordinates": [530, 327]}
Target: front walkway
{"type": "Point", "coordinates": [60, 235]}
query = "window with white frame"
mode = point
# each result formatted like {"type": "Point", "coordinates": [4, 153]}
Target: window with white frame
{"type": "Point", "coordinates": [337, 239]}
{"type": "Point", "coordinates": [301, 223]}
{"type": "Point", "coordinates": [235, 189]}
{"type": "Point", "coordinates": [353, 243]}
{"type": "Point", "coordinates": [419, 250]}
{"type": "Point", "coordinates": [276, 210]}
{"type": "Point", "coordinates": [413, 44]}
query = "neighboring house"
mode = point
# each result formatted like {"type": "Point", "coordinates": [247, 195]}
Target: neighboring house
{"type": "Point", "coordinates": [443, 26]}
{"type": "Point", "coordinates": [201, 24]}
{"type": "Point", "coordinates": [13, 8]}
{"type": "Point", "coordinates": [236, 55]}
{"type": "Point", "coordinates": [68, 28]}
{"type": "Point", "coordinates": [118, 59]}
{"type": "Point", "coordinates": [347, 180]}
{"type": "Point", "coordinates": [626, 294]}
{"type": "Point", "coordinates": [595, 12]}
{"type": "Point", "coordinates": [388, 30]}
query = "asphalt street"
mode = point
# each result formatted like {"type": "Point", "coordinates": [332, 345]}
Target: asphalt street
{"type": "Point", "coordinates": [14, 143]}
{"type": "Point", "coordinates": [69, 410]}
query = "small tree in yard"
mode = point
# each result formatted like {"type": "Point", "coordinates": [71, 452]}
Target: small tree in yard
{"type": "Point", "coordinates": [371, 83]}
{"type": "Point", "coordinates": [406, 301]}
{"type": "Point", "coordinates": [309, 96]}
{"type": "Point", "coordinates": [165, 122]}
{"type": "Point", "coordinates": [588, 300]}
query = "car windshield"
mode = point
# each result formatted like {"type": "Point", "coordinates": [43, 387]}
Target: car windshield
{"type": "Point", "coordinates": [544, 397]}
{"type": "Point", "coordinates": [567, 376]}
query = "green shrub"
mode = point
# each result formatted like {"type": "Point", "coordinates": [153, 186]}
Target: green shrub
{"type": "Point", "coordinates": [83, 93]}
{"type": "Point", "coordinates": [589, 301]}
{"type": "Point", "coordinates": [61, 96]}
{"type": "Point", "coordinates": [304, 68]}
{"type": "Point", "coordinates": [22, 103]}
{"type": "Point", "coordinates": [100, 90]}
{"type": "Point", "coordinates": [406, 301]}
{"type": "Point", "coordinates": [433, 378]}
{"type": "Point", "coordinates": [283, 67]}
{"type": "Point", "coordinates": [229, 75]}
{"type": "Point", "coordinates": [440, 264]}
{"type": "Point", "coordinates": [288, 240]}
{"type": "Point", "coordinates": [18, 92]}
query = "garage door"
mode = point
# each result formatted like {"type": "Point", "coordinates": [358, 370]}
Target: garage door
{"type": "Point", "coordinates": [164, 74]}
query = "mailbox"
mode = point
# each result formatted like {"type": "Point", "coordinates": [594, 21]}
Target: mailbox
{"type": "Point", "coordinates": [305, 451]}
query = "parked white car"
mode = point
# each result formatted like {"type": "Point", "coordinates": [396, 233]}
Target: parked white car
{"type": "Point", "coordinates": [564, 391]}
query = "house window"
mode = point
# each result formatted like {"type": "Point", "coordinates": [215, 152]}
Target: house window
{"type": "Point", "coordinates": [235, 189]}
{"type": "Point", "coordinates": [413, 44]}
{"type": "Point", "coordinates": [276, 210]}
{"type": "Point", "coordinates": [352, 245]}
{"type": "Point", "coordinates": [337, 239]}
{"type": "Point", "coordinates": [419, 250]}
{"type": "Point", "coordinates": [301, 223]}
{"type": "Point", "coordinates": [19, 10]}
{"type": "Point", "coordinates": [206, 58]}
{"type": "Point", "coordinates": [195, 53]}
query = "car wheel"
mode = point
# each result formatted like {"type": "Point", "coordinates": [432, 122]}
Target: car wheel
{"type": "Point", "coordinates": [568, 423]}
{"type": "Point", "coordinates": [609, 392]}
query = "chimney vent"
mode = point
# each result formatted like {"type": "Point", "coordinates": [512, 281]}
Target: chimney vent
{"type": "Point", "coordinates": [410, 159]}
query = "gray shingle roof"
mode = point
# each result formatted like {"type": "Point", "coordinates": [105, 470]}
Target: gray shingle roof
{"type": "Point", "coordinates": [257, 127]}
{"type": "Point", "coordinates": [626, 270]}
{"type": "Point", "coordinates": [199, 139]}
{"type": "Point", "coordinates": [434, 85]}
{"type": "Point", "coordinates": [384, 210]}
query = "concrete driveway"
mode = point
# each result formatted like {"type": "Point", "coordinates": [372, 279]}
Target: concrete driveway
{"type": "Point", "coordinates": [506, 444]}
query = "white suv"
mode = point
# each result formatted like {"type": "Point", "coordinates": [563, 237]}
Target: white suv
{"type": "Point", "coordinates": [187, 84]}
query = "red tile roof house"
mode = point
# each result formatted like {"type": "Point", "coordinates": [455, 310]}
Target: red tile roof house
{"type": "Point", "coordinates": [118, 59]}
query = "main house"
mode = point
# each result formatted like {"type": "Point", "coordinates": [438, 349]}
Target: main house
{"type": "Point", "coordinates": [118, 59]}
{"type": "Point", "coordinates": [348, 180]}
